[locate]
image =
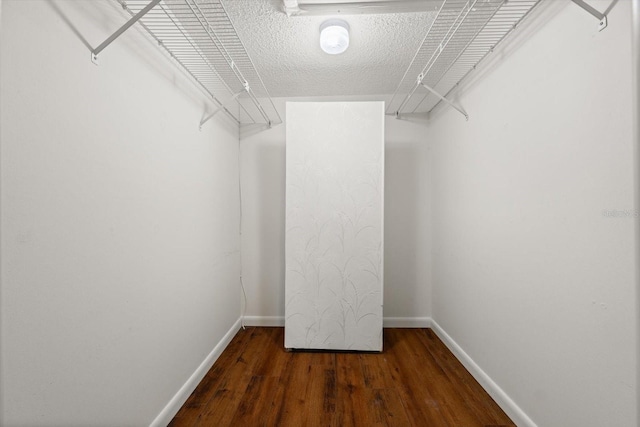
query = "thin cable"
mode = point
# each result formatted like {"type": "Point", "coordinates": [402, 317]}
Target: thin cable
{"type": "Point", "coordinates": [244, 294]}
{"type": "Point", "coordinates": [244, 306]}
{"type": "Point", "coordinates": [635, 44]}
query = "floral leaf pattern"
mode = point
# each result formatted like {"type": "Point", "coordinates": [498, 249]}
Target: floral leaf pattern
{"type": "Point", "coordinates": [334, 225]}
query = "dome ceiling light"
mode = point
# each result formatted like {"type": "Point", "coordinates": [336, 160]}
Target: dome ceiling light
{"type": "Point", "coordinates": [334, 36]}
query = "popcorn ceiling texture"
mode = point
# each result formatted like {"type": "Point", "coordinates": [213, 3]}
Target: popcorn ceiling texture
{"type": "Point", "coordinates": [286, 50]}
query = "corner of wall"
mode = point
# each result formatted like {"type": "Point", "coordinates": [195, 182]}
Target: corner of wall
{"type": "Point", "coordinates": [517, 415]}
{"type": "Point", "coordinates": [171, 409]}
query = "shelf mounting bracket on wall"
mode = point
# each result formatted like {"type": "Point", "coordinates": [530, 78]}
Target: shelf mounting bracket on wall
{"type": "Point", "coordinates": [119, 31]}
{"type": "Point", "coordinates": [599, 15]}
{"type": "Point", "coordinates": [462, 35]}
{"type": "Point", "coordinates": [224, 104]}
{"type": "Point", "coordinates": [442, 98]}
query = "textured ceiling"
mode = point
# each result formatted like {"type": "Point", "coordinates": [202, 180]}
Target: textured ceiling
{"type": "Point", "coordinates": [287, 54]}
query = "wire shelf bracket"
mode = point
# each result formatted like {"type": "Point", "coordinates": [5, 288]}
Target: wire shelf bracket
{"type": "Point", "coordinates": [119, 31]}
{"type": "Point", "coordinates": [202, 41]}
{"type": "Point", "coordinates": [223, 105]}
{"type": "Point", "coordinates": [442, 98]}
{"type": "Point", "coordinates": [462, 34]}
{"type": "Point", "coordinates": [593, 11]}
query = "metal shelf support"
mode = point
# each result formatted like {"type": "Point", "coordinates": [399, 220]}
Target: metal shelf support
{"type": "Point", "coordinates": [442, 98]}
{"type": "Point", "coordinates": [200, 39]}
{"type": "Point", "coordinates": [464, 13]}
{"type": "Point", "coordinates": [598, 15]}
{"type": "Point", "coordinates": [224, 104]}
{"type": "Point", "coordinates": [119, 31]}
{"type": "Point", "coordinates": [462, 34]}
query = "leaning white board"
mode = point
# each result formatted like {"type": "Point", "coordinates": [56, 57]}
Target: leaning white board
{"type": "Point", "coordinates": [334, 225]}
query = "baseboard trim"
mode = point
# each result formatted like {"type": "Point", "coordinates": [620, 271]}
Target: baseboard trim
{"type": "Point", "coordinates": [388, 322]}
{"type": "Point", "coordinates": [517, 415]}
{"type": "Point", "coordinates": [406, 322]}
{"type": "Point", "coordinates": [166, 415]}
{"type": "Point", "coordinates": [266, 321]}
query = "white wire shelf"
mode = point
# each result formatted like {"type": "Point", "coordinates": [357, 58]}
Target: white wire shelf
{"type": "Point", "coordinates": [201, 38]}
{"type": "Point", "coordinates": [461, 36]}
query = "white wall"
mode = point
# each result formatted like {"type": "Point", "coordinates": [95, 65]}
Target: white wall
{"type": "Point", "coordinates": [119, 232]}
{"type": "Point", "coordinates": [532, 275]}
{"type": "Point", "coordinates": [406, 266]}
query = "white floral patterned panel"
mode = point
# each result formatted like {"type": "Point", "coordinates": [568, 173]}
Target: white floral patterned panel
{"type": "Point", "coordinates": [334, 225]}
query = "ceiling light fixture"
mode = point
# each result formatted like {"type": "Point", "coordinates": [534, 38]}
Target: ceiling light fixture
{"type": "Point", "coordinates": [334, 36]}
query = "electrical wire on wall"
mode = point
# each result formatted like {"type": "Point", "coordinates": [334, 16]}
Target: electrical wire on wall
{"type": "Point", "coordinates": [635, 17]}
{"type": "Point", "coordinates": [244, 294]}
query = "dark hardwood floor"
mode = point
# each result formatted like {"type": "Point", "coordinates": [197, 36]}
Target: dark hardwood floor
{"type": "Point", "coordinates": [416, 381]}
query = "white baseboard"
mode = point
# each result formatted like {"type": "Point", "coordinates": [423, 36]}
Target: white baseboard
{"type": "Point", "coordinates": [406, 322]}
{"type": "Point", "coordinates": [265, 321]}
{"type": "Point", "coordinates": [517, 415]}
{"type": "Point", "coordinates": [388, 322]}
{"type": "Point", "coordinates": [166, 415]}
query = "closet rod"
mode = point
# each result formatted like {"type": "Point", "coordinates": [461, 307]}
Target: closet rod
{"type": "Point", "coordinates": [125, 27]}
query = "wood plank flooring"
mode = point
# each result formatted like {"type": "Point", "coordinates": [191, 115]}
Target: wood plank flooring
{"type": "Point", "coordinates": [416, 381]}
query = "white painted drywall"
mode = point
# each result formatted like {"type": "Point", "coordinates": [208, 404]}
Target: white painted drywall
{"type": "Point", "coordinates": [533, 229]}
{"type": "Point", "coordinates": [119, 232]}
{"type": "Point", "coordinates": [406, 228]}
